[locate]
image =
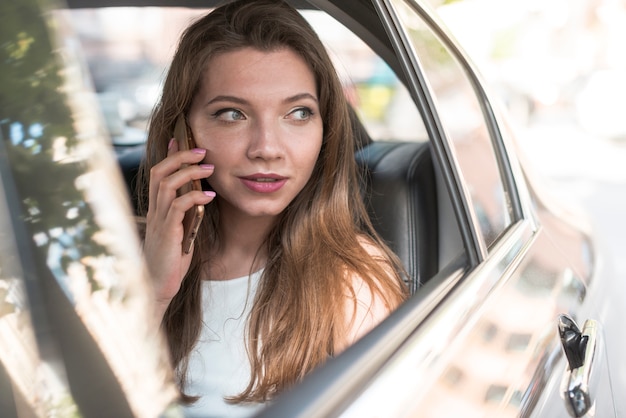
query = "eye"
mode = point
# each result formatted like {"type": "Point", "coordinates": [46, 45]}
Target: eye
{"type": "Point", "coordinates": [300, 114]}
{"type": "Point", "coordinates": [229, 115]}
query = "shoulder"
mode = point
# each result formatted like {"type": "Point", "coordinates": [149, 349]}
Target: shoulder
{"type": "Point", "coordinates": [365, 305]}
{"type": "Point", "coordinates": [364, 309]}
{"type": "Point", "coordinates": [372, 249]}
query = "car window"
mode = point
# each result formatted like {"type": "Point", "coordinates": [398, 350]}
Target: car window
{"type": "Point", "coordinates": [460, 110]}
{"type": "Point", "coordinates": [128, 52]}
{"type": "Point", "coordinates": [74, 294]}
{"type": "Point", "coordinates": [28, 381]}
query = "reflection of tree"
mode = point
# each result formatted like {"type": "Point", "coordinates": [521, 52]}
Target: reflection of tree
{"type": "Point", "coordinates": [6, 307]}
{"type": "Point", "coordinates": [36, 126]}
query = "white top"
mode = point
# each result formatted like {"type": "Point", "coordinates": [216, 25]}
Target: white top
{"type": "Point", "coordinates": [218, 364]}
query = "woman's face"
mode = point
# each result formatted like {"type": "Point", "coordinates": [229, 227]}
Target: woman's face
{"type": "Point", "coordinates": [257, 114]}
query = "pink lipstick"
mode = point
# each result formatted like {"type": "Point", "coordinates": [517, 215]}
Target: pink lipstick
{"type": "Point", "coordinates": [264, 183]}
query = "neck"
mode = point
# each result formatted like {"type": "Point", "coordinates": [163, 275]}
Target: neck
{"type": "Point", "coordinates": [242, 248]}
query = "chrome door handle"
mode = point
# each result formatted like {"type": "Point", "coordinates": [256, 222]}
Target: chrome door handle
{"type": "Point", "coordinates": [582, 349]}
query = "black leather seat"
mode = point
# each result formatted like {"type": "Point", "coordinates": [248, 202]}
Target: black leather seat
{"type": "Point", "coordinates": [401, 196]}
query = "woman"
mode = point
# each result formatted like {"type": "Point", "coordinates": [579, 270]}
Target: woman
{"type": "Point", "coordinates": [287, 269]}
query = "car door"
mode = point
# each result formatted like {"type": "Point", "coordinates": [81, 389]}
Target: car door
{"type": "Point", "coordinates": [480, 338]}
{"type": "Point", "coordinates": [532, 266]}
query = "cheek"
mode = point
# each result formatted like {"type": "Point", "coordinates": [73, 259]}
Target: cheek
{"type": "Point", "coordinates": [309, 154]}
{"type": "Point", "coordinates": [221, 149]}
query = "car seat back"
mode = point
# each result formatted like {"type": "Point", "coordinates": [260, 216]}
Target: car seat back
{"type": "Point", "coordinates": [400, 193]}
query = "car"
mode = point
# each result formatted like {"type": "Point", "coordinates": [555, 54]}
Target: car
{"type": "Point", "coordinates": [506, 315]}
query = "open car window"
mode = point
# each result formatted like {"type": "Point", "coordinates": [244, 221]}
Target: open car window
{"type": "Point", "coordinates": [382, 102]}
{"type": "Point", "coordinates": [128, 53]}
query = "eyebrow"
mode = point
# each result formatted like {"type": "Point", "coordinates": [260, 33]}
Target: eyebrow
{"type": "Point", "coordinates": [300, 97]}
{"type": "Point", "coordinates": [239, 100]}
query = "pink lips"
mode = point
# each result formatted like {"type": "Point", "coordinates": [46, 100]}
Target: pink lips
{"type": "Point", "coordinates": [264, 183]}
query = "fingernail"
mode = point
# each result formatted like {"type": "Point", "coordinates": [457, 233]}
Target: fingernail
{"type": "Point", "coordinates": [209, 193]}
{"type": "Point", "coordinates": [207, 166]}
{"type": "Point", "coordinates": [198, 150]}
{"type": "Point", "coordinates": [169, 144]}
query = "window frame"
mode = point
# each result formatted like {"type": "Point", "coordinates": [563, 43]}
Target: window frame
{"type": "Point", "coordinates": [445, 153]}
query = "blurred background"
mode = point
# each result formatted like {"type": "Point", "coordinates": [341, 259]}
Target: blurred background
{"type": "Point", "coordinates": [560, 68]}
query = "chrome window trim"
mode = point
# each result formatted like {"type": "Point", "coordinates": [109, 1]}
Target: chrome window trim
{"type": "Point", "coordinates": [517, 173]}
{"type": "Point", "coordinates": [418, 85]}
{"type": "Point", "coordinates": [472, 72]}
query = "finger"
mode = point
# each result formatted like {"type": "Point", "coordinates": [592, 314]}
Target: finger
{"type": "Point", "coordinates": [156, 175]}
{"type": "Point", "coordinates": [171, 164]}
{"type": "Point", "coordinates": [167, 230]}
{"type": "Point", "coordinates": [168, 187]}
{"type": "Point", "coordinates": [173, 223]}
{"type": "Point", "coordinates": [176, 160]}
{"type": "Point", "coordinates": [183, 203]}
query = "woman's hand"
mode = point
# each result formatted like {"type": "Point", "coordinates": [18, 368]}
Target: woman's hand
{"type": "Point", "coordinates": [164, 221]}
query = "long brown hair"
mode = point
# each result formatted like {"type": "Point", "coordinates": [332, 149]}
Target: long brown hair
{"type": "Point", "coordinates": [315, 248]}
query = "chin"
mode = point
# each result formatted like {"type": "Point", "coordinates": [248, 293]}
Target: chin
{"type": "Point", "coordinates": [263, 210]}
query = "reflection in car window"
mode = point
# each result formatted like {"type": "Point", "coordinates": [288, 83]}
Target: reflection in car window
{"type": "Point", "coordinates": [67, 192]}
{"type": "Point", "coordinates": [38, 384]}
{"type": "Point", "coordinates": [461, 115]}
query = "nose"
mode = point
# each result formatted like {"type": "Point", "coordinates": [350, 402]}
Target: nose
{"type": "Point", "coordinates": [265, 140]}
